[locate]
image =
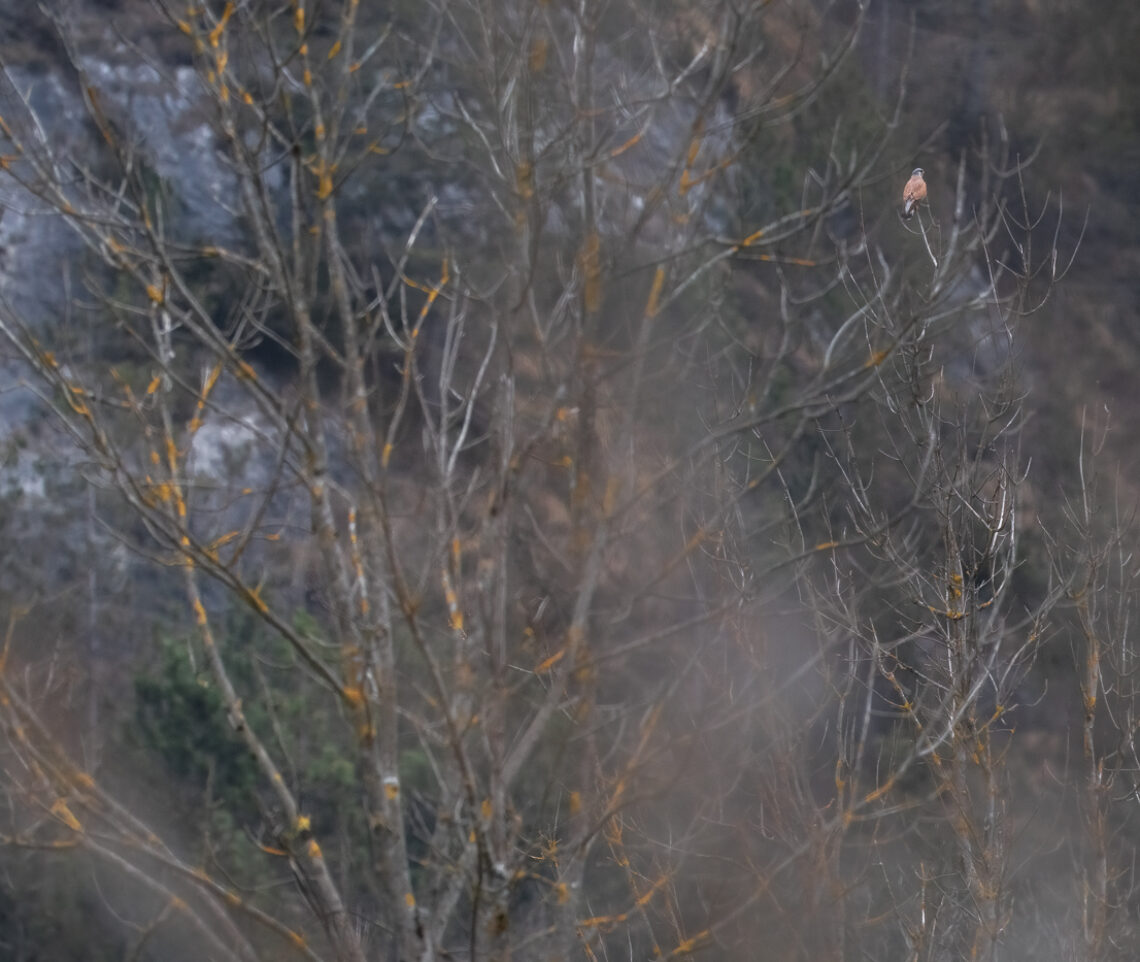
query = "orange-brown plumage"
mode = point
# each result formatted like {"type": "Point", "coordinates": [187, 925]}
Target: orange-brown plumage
{"type": "Point", "coordinates": [914, 193]}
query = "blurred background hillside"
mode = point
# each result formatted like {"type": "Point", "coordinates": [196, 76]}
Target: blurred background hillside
{"type": "Point", "coordinates": [622, 531]}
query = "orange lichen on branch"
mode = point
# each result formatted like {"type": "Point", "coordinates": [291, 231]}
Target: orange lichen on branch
{"type": "Point", "coordinates": [687, 946]}
{"type": "Point", "coordinates": [653, 304]}
{"type": "Point", "coordinates": [608, 921]}
{"type": "Point", "coordinates": [876, 794]}
{"type": "Point", "coordinates": [690, 159]}
{"type": "Point", "coordinates": [688, 182]}
{"type": "Point", "coordinates": [223, 540]}
{"type": "Point", "coordinates": [444, 277]}
{"type": "Point", "coordinates": [324, 184]}
{"type": "Point", "coordinates": [255, 601]}
{"type": "Point", "coordinates": [524, 179]}
{"type": "Point", "coordinates": [455, 616]}
{"type": "Point", "coordinates": [545, 666]}
{"type": "Point", "coordinates": [159, 493]}
{"type": "Point", "coordinates": [795, 261]}
{"type": "Point", "coordinates": [171, 454]}
{"type": "Point", "coordinates": [629, 144]}
{"type": "Point", "coordinates": [60, 810]}
{"type": "Point", "coordinates": [73, 396]}
{"type": "Point", "coordinates": [589, 259]}
{"type": "Point", "coordinates": [207, 387]}
{"type": "Point", "coordinates": [877, 358]}
{"type": "Point", "coordinates": [215, 35]}
{"type": "Point", "coordinates": [353, 541]}
{"type": "Point", "coordinates": [58, 844]}
{"type": "Point", "coordinates": [100, 117]}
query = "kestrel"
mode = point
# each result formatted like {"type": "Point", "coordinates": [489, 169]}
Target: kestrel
{"type": "Point", "coordinates": [914, 193]}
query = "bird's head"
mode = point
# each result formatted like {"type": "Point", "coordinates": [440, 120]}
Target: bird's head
{"type": "Point", "coordinates": [917, 172]}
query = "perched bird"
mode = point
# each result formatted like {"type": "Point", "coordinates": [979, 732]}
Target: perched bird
{"type": "Point", "coordinates": [914, 193]}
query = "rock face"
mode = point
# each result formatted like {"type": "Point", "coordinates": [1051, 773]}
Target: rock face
{"type": "Point", "coordinates": [38, 250]}
{"type": "Point", "coordinates": [153, 104]}
{"type": "Point", "coordinates": [161, 111]}
{"type": "Point", "coordinates": [156, 115]}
